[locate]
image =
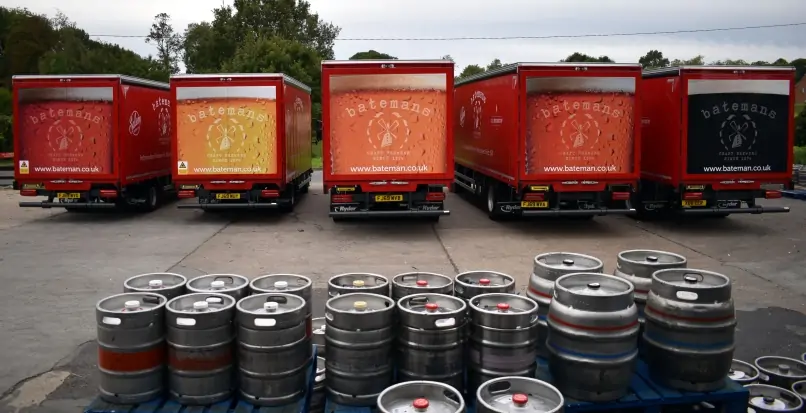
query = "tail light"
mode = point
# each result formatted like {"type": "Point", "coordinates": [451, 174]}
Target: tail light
{"type": "Point", "coordinates": [692, 195]}
{"type": "Point", "coordinates": [269, 193]}
{"type": "Point", "coordinates": [109, 193]}
{"type": "Point", "coordinates": [186, 194]}
{"type": "Point", "coordinates": [772, 194]}
{"type": "Point", "coordinates": [28, 192]}
{"type": "Point", "coordinates": [534, 197]}
{"type": "Point", "coordinates": [341, 199]}
{"type": "Point", "coordinates": [620, 196]}
{"type": "Point", "coordinates": [435, 196]}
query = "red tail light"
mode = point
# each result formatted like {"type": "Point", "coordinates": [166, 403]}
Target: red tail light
{"type": "Point", "coordinates": [772, 194]}
{"type": "Point", "coordinates": [186, 194]}
{"type": "Point", "coordinates": [109, 193]}
{"type": "Point", "coordinates": [341, 199]}
{"type": "Point", "coordinates": [435, 196]}
{"type": "Point", "coordinates": [28, 192]}
{"type": "Point", "coordinates": [269, 193]}
{"type": "Point", "coordinates": [621, 196]}
{"type": "Point", "coordinates": [534, 197]}
{"type": "Point", "coordinates": [692, 195]}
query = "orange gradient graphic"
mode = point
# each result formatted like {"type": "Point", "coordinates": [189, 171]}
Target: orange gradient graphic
{"type": "Point", "coordinates": [227, 130]}
{"type": "Point", "coordinates": [585, 131]}
{"type": "Point", "coordinates": [61, 132]}
{"type": "Point", "coordinates": [388, 124]}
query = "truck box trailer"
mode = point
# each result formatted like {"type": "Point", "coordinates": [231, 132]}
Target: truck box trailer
{"type": "Point", "coordinates": [549, 139]}
{"type": "Point", "coordinates": [241, 140]}
{"type": "Point", "coordinates": [92, 141]}
{"type": "Point", "coordinates": [386, 137]}
{"type": "Point", "coordinates": [716, 137]}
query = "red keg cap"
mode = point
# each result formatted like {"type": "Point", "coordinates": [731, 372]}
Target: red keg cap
{"type": "Point", "coordinates": [503, 306]}
{"type": "Point", "coordinates": [420, 404]}
{"type": "Point", "coordinates": [431, 306]}
{"type": "Point", "coordinates": [422, 283]}
{"type": "Point", "coordinates": [520, 399]}
{"type": "Point", "coordinates": [484, 281]}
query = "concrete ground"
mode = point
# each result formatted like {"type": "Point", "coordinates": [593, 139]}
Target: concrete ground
{"type": "Point", "coordinates": [54, 267]}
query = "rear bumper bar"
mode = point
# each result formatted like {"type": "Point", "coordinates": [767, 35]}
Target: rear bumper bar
{"type": "Point", "coordinates": [577, 212]}
{"type": "Point", "coordinates": [749, 210]}
{"type": "Point", "coordinates": [388, 214]}
{"type": "Point", "coordinates": [272, 205]}
{"type": "Point", "coordinates": [77, 205]}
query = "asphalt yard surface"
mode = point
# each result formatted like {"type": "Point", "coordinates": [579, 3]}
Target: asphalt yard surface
{"type": "Point", "coordinates": [57, 265]}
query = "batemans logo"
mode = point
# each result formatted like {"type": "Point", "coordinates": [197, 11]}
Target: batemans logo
{"type": "Point", "coordinates": [580, 128]}
{"type": "Point", "coordinates": [738, 130]}
{"type": "Point", "coordinates": [163, 108]}
{"type": "Point", "coordinates": [227, 133]}
{"type": "Point", "coordinates": [477, 101]}
{"type": "Point", "coordinates": [64, 133]}
{"type": "Point", "coordinates": [388, 126]}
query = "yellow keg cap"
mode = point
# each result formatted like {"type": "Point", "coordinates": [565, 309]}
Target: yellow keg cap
{"type": "Point", "coordinates": [360, 305]}
{"type": "Point", "coordinates": [358, 283]}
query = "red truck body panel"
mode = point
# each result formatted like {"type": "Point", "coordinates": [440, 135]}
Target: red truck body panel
{"type": "Point", "coordinates": [230, 130]}
{"type": "Point", "coordinates": [73, 131]}
{"type": "Point", "coordinates": [551, 123]}
{"type": "Point", "coordinates": [731, 127]}
{"type": "Point", "coordinates": [387, 120]}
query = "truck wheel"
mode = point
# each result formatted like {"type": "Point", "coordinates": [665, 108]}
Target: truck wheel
{"type": "Point", "coordinates": [492, 201]}
{"type": "Point", "coordinates": [152, 199]}
{"type": "Point", "coordinates": [289, 206]}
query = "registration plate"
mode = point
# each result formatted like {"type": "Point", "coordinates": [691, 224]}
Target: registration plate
{"type": "Point", "coordinates": [388, 198]}
{"type": "Point", "coordinates": [227, 196]}
{"type": "Point", "coordinates": [68, 195]}
{"type": "Point", "coordinates": [534, 204]}
{"type": "Point", "coordinates": [697, 203]}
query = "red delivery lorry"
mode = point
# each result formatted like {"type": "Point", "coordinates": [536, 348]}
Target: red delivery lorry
{"type": "Point", "coordinates": [715, 138]}
{"type": "Point", "coordinates": [241, 140]}
{"type": "Point", "coordinates": [386, 137]}
{"type": "Point", "coordinates": [550, 139]}
{"type": "Point", "coordinates": [92, 141]}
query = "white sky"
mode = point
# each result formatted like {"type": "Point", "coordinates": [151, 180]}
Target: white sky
{"type": "Point", "coordinates": [480, 18]}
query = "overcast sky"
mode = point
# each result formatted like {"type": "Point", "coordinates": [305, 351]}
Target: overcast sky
{"type": "Point", "coordinates": [483, 18]}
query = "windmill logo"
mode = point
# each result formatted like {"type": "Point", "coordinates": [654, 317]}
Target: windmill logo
{"type": "Point", "coordinates": [388, 132]}
{"type": "Point", "coordinates": [738, 133]}
{"type": "Point", "coordinates": [225, 135]}
{"type": "Point", "coordinates": [580, 131]}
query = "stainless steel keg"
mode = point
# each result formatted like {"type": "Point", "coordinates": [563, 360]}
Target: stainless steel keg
{"type": "Point", "coordinates": [236, 286]}
{"type": "Point", "coordinates": [430, 339]}
{"type": "Point", "coordinates": [421, 396]}
{"type": "Point", "coordinates": [518, 394]}
{"type": "Point", "coordinates": [780, 371]}
{"type": "Point", "coordinates": [637, 267]}
{"type": "Point", "coordinates": [357, 282]}
{"type": "Point", "coordinates": [799, 388]}
{"type": "Point", "coordinates": [274, 349]}
{"type": "Point", "coordinates": [472, 283]}
{"type": "Point", "coordinates": [131, 347]}
{"type": "Point", "coordinates": [201, 348]}
{"type": "Point", "coordinates": [168, 284]}
{"type": "Point", "coordinates": [503, 338]}
{"type": "Point", "coordinates": [547, 268]}
{"type": "Point", "coordinates": [420, 283]}
{"type": "Point", "coordinates": [689, 329]}
{"type": "Point", "coordinates": [770, 399]}
{"type": "Point", "coordinates": [319, 396]}
{"type": "Point", "coordinates": [743, 373]}
{"type": "Point", "coordinates": [318, 326]}
{"type": "Point", "coordinates": [359, 347]}
{"type": "Point", "coordinates": [286, 283]}
{"type": "Point", "coordinates": [593, 336]}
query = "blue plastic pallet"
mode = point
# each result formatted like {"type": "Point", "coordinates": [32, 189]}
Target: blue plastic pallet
{"type": "Point", "coordinates": [647, 396]}
{"type": "Point", "coordinates": [165, 405]}
{"type": "Point", "coordinates": [796, 194]}
{"type": "Point", "coordinates": [332, 407]}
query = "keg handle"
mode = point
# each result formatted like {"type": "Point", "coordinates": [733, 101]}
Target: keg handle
{"type": "Point", "coordinates": [225, 278]}
{"type": "Point", "coordinates": [499, 387]}
{"type": "Point", "coordinates": [458, 289]}
{"type": "Point", "coordinates": [151, 300]}
{"type": "Point", "coordinates": [277, 299]}
{"type": "Point", "coordinates": [692, 277]}
{"type": "Point", "coordinates": [112, 321]}
{"type": "Point", "coordinates": [332, 294]}
{"type": "Point", "coordinates": [408, 277]}
{"type": "Point", "coordinates": [213, 299]}
{"type": "Point", "coordinates": [445, 322]}
{"type": "Point", "coordinates": [265, 322]}
{"type": "Point", "coordinates": [185, 321]}
{"type": "Point", "coordinates": [418, 300]}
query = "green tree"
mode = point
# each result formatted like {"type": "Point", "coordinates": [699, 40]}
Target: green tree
{"type": "Point", "coordinates": [581, 57]}
{"type": "Point", "coordinates": [800, 68]}
{"type": "Point", "coordinates": [201, 49]}
{"type": "Point", "coordinates": [168, 42]}
{"type": "Point", "coordinates": [780, 62]}
{"type": "Point", "coordinates": [653, 59]}
{"type": "Point", "coordinates": [698, 60]}
{"type": "Point", "coordinates": [800, 128]}
{"type": "Point", "coordinates": [26, 36]}
{"type": "Point", "coordinates": [495, 64]}
{"type": "Point", "coordinates": [448, 57]}
{"type": "Point", "coordinates": [470, 70]}
{"type": "Point", "coordinates": [371, 55]}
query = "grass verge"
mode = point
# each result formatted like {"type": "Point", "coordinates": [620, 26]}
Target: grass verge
{"type": "Point", "coordinates": [6, 162]}
{"type": "Point", "coordinates": [800, 155]}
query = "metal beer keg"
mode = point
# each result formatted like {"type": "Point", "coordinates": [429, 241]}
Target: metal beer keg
{"type": "Point", "coordinates": [420, 283]}
{"type": "Point", "coordinates": [235, 286]}
{"type": "Point", "coordinates": [421, 396]}
{"type": "Point", "coordinates": [770, 399]}
{"type": "Point", "coordinates": [518, 394]}
{"type": "Point", "coordinates": [472, 283]}
{"type": "Point", "coordinates": [168, 284]}
{"type": "Point", "coordinates": [780, 371]}
{"type": "Point", "coordinates": [289, 284]}
{"type": "Point", "coordinates": [357, 282]}
{"type": "Point", "coordinates": [743, 373]}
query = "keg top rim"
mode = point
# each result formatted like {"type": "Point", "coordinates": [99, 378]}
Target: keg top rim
{"type": "Point", "coordinates": [594, 284]}
{"type": "Point", "coordinates": [559, 261]}
{"type": "Point", "coordinates": [184, 304]}
{"type": "Point", "coordinates": [238, 282]}
{"type": "Point", "coordinates": [141, 282]}
{"type": "Point", "coordinates": [474, 278]}
{"type": "Point", "coordinates": [772, 365]}
{"type": "Point", "coordinates": [145, 299]}
{"type": "Point", "coordinates": [691, 278]}
{"type": "Point", "coordinates": [520, 386]}
{"type": "Point", "coordinates": [420, 395]}
{"type": "Point", "coordinates": [450, 304]}
{"type": "Point", "coordinates": [760, 392]}
{"type": "Point", "coordinates": [799, 387]}
{"type": "Point", "coordinates": [345, 303]}
{"type": "Point", "coordinates": [633, 257]}
{"type": "Point", "coordinates": [503, 298]}
{"type": "Point", "coordinates": [748, 371]}
{"type": "Point", "coordinates": [432, 279]}
{"type": "Point", "coordinates": [255, 304]}
{"type": "Point", "coordinates": [377, 280]}
{"type": "Point", "coordinates": [268, 283]}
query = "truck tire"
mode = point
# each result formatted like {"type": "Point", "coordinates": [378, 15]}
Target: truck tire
{"type": "Point", "coordinates": [152, 199]}
{"type": "Point", "coordinates": [492, 200]}
{"type": "Point", "coordinates": [292, 202]}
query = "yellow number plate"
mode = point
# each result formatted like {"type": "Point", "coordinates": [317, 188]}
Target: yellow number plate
{"type": "Point", "coordinates": [533, 204]}
{"type": "Point", "coordinates": [68, 195]}
{"type": "Point", "coordinates": [388, 198]}
{"type": "Point", "coordinates": [227, 196]}
{"type": "Point", "coordinates": [697, 203]}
